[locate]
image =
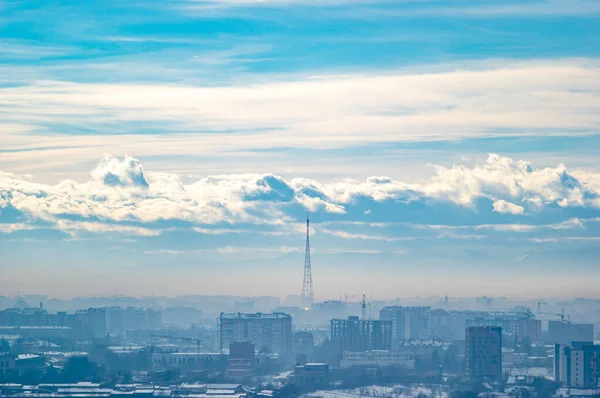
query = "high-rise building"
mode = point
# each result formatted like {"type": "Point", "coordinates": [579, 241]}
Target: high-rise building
{"type": "Point", "coordinates": [518, 327]}
{"type": "Point", "coordinates": [483, 352]}
{"type": "Point", "coordinates": [565, 332]}
{"type": "Point", "coordinates": [354, 334]}
{"type": "Point", "coordinates": [407, 322]}
{"type": "Point", "coordinates": [270, 333]}
{"type": "Point", "coordinates": [394, 314]}
{"type": "Point", "coordinates": [303, 346]}
{"type": "Point", "coordinates": [577, 365]}
{"type": "Point", "coordinates": [90, 323]}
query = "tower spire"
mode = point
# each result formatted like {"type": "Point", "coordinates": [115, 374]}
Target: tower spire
{"type": "Point", "coordinates": [307, 285]}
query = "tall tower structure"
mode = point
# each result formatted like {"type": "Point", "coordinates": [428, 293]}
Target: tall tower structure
{"type": "Point", "coordinates": [307, 285]}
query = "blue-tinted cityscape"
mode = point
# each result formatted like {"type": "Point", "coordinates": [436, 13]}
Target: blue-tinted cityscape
{"type": "Point", "coordinates": [300, 198]}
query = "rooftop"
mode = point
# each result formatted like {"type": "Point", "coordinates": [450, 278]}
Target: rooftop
{"type": "Point", "coordinates": [257, 315]}
{"type": "Point", "coordinates": [421, 343]}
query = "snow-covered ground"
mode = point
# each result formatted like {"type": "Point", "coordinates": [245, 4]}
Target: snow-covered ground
{"type": "Point", "coordinates": [392, 391]}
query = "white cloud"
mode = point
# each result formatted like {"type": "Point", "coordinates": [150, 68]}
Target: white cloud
{"type": "Point", "coordinates": [113, 172]}
{"type": "Point", "coordinates": [543, 240]}
{"type": "Point", "coordinates": [74, 228]}
{"type": "Point", "coordinates": [349, 235]}
{"type": "Point", "coordinates": [10, 228]}
{"type": "Point", "coordinates": [227, 250]}
{"type": "Point", "coordinates": [565, 238]}
{"type": "Point", "coordinates": [417, 7]}
{"type": "Point", "coordinates": [456, 236]}
{"type": "Point", "coordinates": [573, 223]}
{"type": "Point", "coordinates": [469, 100]}
{"type": "Point", "coordinates": [504, 207]}
{"type": "Point", "coordinates": [122, 198]}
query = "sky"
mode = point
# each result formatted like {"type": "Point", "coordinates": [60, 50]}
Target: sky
{"type": "Point", "coordinates": [175, 147]}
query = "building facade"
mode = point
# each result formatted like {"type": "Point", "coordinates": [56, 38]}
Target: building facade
{"type": "Point", "coordinates": [483, 352]}
{"type": "Point", "coordinates": [241, 360]}
{"type": "Point", "coordinates": [407, 322]}
{"type": "Point", "coordinates": [188, 361]}
{"type": "Point", "coordinates": [517, 327]}
{"type": "Point", "coordinates": [354, 334]}
{"type": "Point", "coordinates": [303, 346]}
{"type": "Point", "coordinates": [90, 324]}
{"type": "Point", "coordinates": [270, 333]}
{"type": "Point", "coordinates": [378, 358]}
{"type": "Point", "coordinates": [577, 365]}
{"type": "Point", "coordinates": [311, 375]}
{"type": "Point", "coordinates": [119, 319]}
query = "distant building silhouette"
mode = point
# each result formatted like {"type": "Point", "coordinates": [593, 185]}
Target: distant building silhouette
{"type": "Point", "coordinates": [566, 332]}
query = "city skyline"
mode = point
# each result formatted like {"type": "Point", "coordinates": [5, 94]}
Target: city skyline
{"type": "Point", "coordinates": [175, 148]}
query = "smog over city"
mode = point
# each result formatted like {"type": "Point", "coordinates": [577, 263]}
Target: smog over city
{"type": "Point", "coordinates": [285, 198]}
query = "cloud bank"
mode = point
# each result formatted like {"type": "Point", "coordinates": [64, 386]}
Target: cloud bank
{"type": "Point", "coordinates": [121, 197]}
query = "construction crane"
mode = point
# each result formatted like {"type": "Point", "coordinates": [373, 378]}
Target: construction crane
{"type": "Point", "coordinates": [539, 306]}
{"type": "Point", "coordinates": [347, 296]}
{"type": "Point", "coordinates": [363, 306]}
{"type": "Point", "coordinates": [561, 315]}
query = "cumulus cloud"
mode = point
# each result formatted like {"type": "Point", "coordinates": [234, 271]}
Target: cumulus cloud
{"type": "Point", "coordinates": [502, 206]}
{"type": "Point", "coordinates": [121, 197]}
{"type": "Point", "coordinates": [127, 173]}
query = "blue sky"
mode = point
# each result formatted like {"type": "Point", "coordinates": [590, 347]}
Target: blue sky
{"type": "Point", "coordinates": [440, 146]}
